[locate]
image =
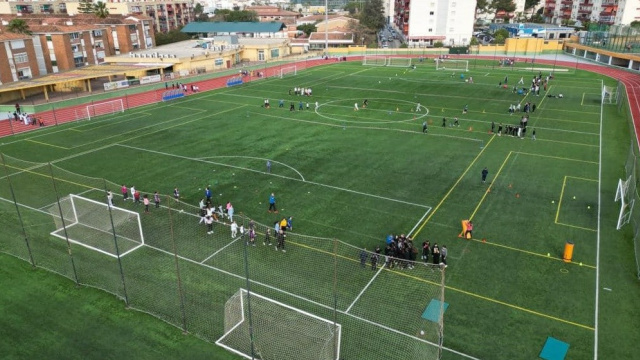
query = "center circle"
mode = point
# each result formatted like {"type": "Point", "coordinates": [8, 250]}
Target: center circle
{"type": "Point", "coordinates": [386, 110]}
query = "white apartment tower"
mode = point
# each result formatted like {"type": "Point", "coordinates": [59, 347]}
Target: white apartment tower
{"type": "Point", "coordinates": [424, 22]}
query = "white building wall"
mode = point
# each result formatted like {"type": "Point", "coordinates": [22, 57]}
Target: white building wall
{"type": "Point", "coordinates": [628, 11]}
{"type": "Point", "coordinates": [451, 19]}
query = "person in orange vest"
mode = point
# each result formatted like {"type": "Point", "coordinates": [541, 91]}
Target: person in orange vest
{"type": "Point", "coordinates": [469, 230]}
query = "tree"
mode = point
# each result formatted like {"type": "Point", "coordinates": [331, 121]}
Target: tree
{"type": "Point", "coordinates": [171, 36]}
{"type": "Point", "coordinates": [501, 32]}
{"type": "Point", "coordinates": [372, 15]}
{"type": "Point", "coordinates": [483, 6]}
{"type": "Point", "coordinates": [307, 28]}
{"type": "Point", "coordinates": [635, 24]}
{"type": "Point", "coordinates": [18, 26]}
{"type": "Point", "coordinates": [101, 10]}
{"type": "Point", "coordinates": [503, 5]}
{"type": "Point", "coordinates": [198, 12]}
{"type": "Point", "coordinates": [352, 7]}
{"type": "Point", "coordinates": [85, 7]}
{"type": "Point", "coordinates": [530, 4]}
{"type": "Point", "coordinates": [474, 41]}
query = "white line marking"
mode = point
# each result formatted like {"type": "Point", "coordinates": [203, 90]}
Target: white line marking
{"type": "Point", "coordinates": [222, 248]}
{"type": "Point", "coordinates": [419, 222]}
{"type": "Point", "coordinates": [252, 157]}
{"type": "Point", "coordinates": [280, 176]}
{"type": "Point", "coordinates": [365, 288]}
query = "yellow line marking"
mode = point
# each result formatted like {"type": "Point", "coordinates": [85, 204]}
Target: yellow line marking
{"type": "Point", "coordinates": [455, 289]}
{"type": "Point", "coordinates": [558, 158]}
{"type": "Point", "coordinates": [577, 227]}
{"type": "Point", "coordinates": [489, 188]}
{"type": "Point", "coordinates": [581, 178]}
{"type": "Point", "coordinates": [582, 102]}
{"type": "Point", "coordinates": [564, 183]}
{"type": "Point", "coordinates": [49, 176]}
{"type": "Point", "coordinates": [545, 96]}
{"type": "Point", "coordinates": [529, 252]}
{"type": "Point", "coordinates": [43, 143]}
{"type": "Point", "coordinates": [452, 188]}
{"type": "Point", "coordinates": [499, 302]}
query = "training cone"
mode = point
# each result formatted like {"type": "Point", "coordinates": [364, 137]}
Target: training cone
{"type": "Point", "coordinates": [510, 186]}
{"type": "Point", "coordinates": [484, 240]}
{"type": "Point", "coordinates": [517, 195]}
{"type": "Point", "coordinates": [470, 128]}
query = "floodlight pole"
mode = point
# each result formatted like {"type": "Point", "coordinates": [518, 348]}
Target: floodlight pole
{"type": "Point", "coordinates": [326, 27]}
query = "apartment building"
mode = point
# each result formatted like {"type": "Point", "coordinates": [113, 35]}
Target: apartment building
{"type": "Point", "coordinates": [18, 59]}
{"type": "Point", "coordinates": [424, 22]}
{"type": "Point", "coordinates": [165, 14]}
{"type": "Point", "coordinates": [61, 43]}
{"type": "Point", "coordinates": [608, 12]}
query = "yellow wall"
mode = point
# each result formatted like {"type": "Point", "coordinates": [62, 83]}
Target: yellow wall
{"type": "Point", "coordinates": [520, 46]}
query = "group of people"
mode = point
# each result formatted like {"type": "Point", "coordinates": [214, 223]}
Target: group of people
{"type": "Point", "coordinates": [400, 252]}
{"type": "Point", "coordinates": [519, 130]}
{"type": "Point", "coordinates": [136, 197]}
{"type": "Point", "coordinates": [183, 87]}
{"type": "Point", "coordinates": [301, 91]}
{"type": "Point", "coordinates": [24, 118]}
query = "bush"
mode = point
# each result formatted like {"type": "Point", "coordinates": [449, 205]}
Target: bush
{"type": "Point", "coordinates": [438, 44]}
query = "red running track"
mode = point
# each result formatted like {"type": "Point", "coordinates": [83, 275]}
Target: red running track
{"type": "Point", "coordinates": [68, 114]}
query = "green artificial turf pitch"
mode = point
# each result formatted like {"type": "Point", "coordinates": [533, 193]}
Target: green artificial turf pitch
{"type": "Point", "coordinates": [358, 176]}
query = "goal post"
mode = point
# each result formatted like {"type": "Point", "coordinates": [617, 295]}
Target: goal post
{"type": "Point", "coordinates": [257, 327]}
{"type": "Point", "coordinates": [625, 193]}
{"type": "Point", "coordinates": [399, 61]}
{"type": "Point", "coordinates": [105, 108]}
{"type": "Point", "coordinates": [95, 225]}
{"type": "Point", "coordinates": [609, 95]}
{"type": "Point", "coordinates": [374, 60]}
{"type": "Point", "coordinates": [288, 70]}
{"type": "Point", "coordinates": [451, 64]}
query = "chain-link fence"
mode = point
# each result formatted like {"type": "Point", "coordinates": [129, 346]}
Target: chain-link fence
{"type": "Point", "coordinates": [161, 256]}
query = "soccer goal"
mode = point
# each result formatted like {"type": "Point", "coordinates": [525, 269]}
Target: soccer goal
{"type": "Point", "coordinates": [289, 70]}
{"type": "Point", "coordinates": [609, 95]}
{"type": "Point", "coordinates": [92, 224]}
{"type": "Point", "coordinates": [450, 64]}
{"type": "Point", "coordinates": [398, 61]}
{"type": "Point", "coordinates": [626, 195]}
{"type": "Point", "coordinates": [105, 108]}
{"type": "Point", "coordinates": [374, 60]}
{"type": "Point", "coordinates": [256, 327]}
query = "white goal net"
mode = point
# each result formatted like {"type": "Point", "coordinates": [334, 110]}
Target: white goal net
{"type": "Point", "coordinates": [625, 193]}
{"type": "Point", "coordinates": [256, 327]}
{"type": "Point", "coordinates": [104, 108]}
{"type": "Point", "coordinates": [450, 64]}
{"type": "Point", "coordinates": [374, 60]}
{"type": "Point", "coordinates": [609, 95]}
{"type": "Point", "coordinates": [289, 70]}
{"type": "Point", "coordinates": [399, 61]}
{"type": "Point", "coordinates": [94, 225]}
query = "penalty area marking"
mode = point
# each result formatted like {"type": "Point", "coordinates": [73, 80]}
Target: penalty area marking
{"type": "Point", "coordinates": [222, 248]}
{"type": "Point", "coordinates": [365, 289]}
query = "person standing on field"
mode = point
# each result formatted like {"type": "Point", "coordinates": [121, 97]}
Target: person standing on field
{"type": "Point", "coordinates": [133, 192]}
{"type": "Point", "coordinates": [145, 201]}
{"type": "Point", "coordinates": [272, 203]}
{"type": "Point", "coordinates": [443, 255]}
{"type": "Point", "coordinates": [125, 192]}
{"type": "Point", "coordinates": [109, 199]}
{"type": "Point", "coordinates": [156, 199]}
{"type": "Point", "coordinates": [136, 197]}
{"type": "Point", "coordinates": [485, 172]}
{"type": "Point", "coordinates": [425, 129]}
{"type": "Point", "coordinates": [269, 166]}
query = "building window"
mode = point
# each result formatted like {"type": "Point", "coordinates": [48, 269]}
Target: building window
{"type": "Point", "coordinates": [453, 4]}
{"type": "Point", "coordinates": [79, 61]}
{"type": "Point", "coordinates": [21, 58]}
{"type": "Point", "coordinates": [74, 36]}
{"type": "Point", "coordinates": [260, 55]}
{"type": "Point", "coordinates": [54, 63]}
{"type": "Point", "coordinates": [17, 44]}
{"type": "Point", "coordinates": [48, 37]}
{"type": "Point", "coordinates": [430, 12]}
{"type": "Point", "coordinates": [75, 48]}
{"type": "Point", "coordinates": [430, 30]}
{"type": "Point", "coordinates": [24, 73]}
{"type": "Point", "coordinates": [97, 33]}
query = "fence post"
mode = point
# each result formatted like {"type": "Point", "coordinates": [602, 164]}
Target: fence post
{"type": "Point", "coordinates": [64, 226]}
{"type": "Point", "coordinates": [15, 202]}
{"type": "Point", "coordinates": [53, 110]}
{"type": "Point", "coordinates": [175, 258]}
{"type": "Point", "coordinates": [115, 241]}
{"type": "Point", "coordinates": [248, 284]}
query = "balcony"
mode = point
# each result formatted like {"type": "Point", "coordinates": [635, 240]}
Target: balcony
{"type": "Point", "coordinates": [584, 10]}
{"type": "Point", "coordinates": [566, 2]}
{"type": "Point", "coordinates": [607, 19]}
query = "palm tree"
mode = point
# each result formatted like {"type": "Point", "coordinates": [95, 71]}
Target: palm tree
{"type": "Point", "coordinates": [18, 26]}
{"type": "Point", "coordinates": [100, 10]}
